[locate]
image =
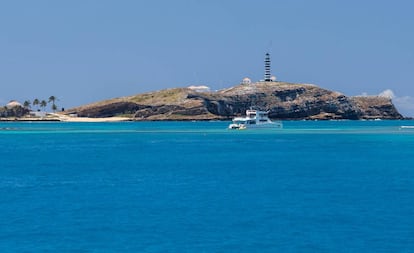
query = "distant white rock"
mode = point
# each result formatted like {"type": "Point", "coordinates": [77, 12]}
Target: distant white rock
{"type": "Point", "coordinates": [199, 88]}
{"type": "Point", "coordinates": [387, 94]}
{"type": "Point", "coordinates": [13, 103]}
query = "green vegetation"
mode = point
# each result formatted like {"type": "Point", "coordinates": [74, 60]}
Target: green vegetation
{"type": "Point", "coordinates": [36, 102]}
{"type": "Point", "coordinates": [169, 96]}
{"type": "Point", "coordinates": [27, 104]}
{"type": "Point", "coordinates": [42, 103]}
{"type": "Point", "coordinates": [20, 111]}
{"type": "Point", "coordinates": [53, 99]}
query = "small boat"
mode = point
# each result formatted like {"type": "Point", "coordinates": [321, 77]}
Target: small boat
{"type": "Point", "coordinates": [255, 119]}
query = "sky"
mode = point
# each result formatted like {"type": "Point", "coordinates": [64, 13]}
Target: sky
{"type": "Point", "coordinates": [83, 51]}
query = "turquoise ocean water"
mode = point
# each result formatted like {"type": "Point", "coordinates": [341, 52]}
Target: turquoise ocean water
{"type": "Point", "coordinates": [331, 186]}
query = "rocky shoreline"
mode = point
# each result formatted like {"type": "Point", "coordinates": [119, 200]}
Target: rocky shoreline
{"type": "Point", "coordinates": [285, 101]}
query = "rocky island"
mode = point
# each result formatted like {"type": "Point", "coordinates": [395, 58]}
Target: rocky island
{"type": "Point", "coordinates": [283, 101]}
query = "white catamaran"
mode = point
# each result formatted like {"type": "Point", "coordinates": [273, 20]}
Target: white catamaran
{"type": "Point", "coordinates": [255, 119]}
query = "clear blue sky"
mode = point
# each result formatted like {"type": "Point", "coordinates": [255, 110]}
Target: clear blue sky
{"type": "Point", "coordinates": [83, 51]}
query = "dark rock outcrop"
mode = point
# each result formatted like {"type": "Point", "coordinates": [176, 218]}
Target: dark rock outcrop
{"type": "Point", "coordinates": [375, 107]}
{"type": "Point", "coordinates": [110, 109]}
{"type": "Point", "coordinates": [282, 100]}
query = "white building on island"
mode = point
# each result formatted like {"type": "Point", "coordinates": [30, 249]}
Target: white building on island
{"type": "Point", "coordinates": [246, 81]}
{"type": "Point", "coordinates": [12, 104]}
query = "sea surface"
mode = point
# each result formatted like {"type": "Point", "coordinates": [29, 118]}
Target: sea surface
{"type": "Point", "coordinates": [314, 186]}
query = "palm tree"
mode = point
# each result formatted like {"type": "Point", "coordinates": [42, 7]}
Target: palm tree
{"type": "Point", "coordinates": [26, 104]}
{"type": "Point", "coordinates": [54, 107]}
{"type": "Point", "coordinates": [36, 102]}
{"type": "Point", "coordinates": [43, 103]}
{"type": "Point", "coordinates": [53, 99]}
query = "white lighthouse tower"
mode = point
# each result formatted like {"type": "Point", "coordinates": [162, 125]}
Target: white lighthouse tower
{"type": "Point", "coordinates": [267, 75]}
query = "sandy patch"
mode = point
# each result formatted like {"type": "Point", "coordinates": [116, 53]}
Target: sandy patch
{"type": "Point", "coordinates": [86, 119]}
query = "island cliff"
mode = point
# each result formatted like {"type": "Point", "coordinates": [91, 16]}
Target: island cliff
{"type": "Point", "coordinates": [282, 100]}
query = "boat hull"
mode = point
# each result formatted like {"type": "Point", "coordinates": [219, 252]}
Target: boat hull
{"type": "Point", "coordinates": [256, 126]}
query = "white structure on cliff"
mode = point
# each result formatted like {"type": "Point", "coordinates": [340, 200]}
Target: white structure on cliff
{"type": "Point", "coordinates": [246, 81]}
{"type": "Point", "coordinates": [268, 76]}
{"type": "Point", "coordinates": [267, 68]}
{"type": "Point", "coordinates": [267, 73]}
{"type": "Point", "coordinates": [199, 88]}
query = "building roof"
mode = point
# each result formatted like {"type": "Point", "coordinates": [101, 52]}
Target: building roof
{"type": "Point", "coordinates": [13, 103]}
